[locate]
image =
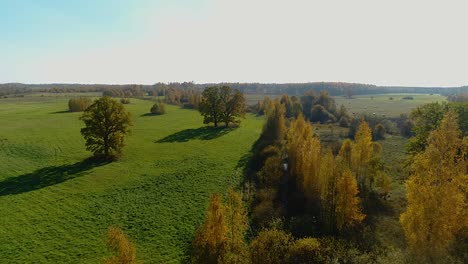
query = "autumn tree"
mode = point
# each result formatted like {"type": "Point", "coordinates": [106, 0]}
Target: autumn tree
{"type": "Point", "coordinates": [266, 105]}
{"type": "Point", "coordinates": [274, 130]}
{"type": "Point", "coordinates": [269, 180]}
{"type": "Point", "coordinates": [233, 105]}
{"type": "Point", "coordinates": [306, 251]}
{"type": "Point", "coordinates": [210, 242]}
{"type": "Point", "coordinates": [327, 183]}
{"type": "Point", "coordinates": [79, 104]}
{"type": "Point", "coordinates": [119, 243]}
{"type": "Point", "coordinates": [271, 247]}
{"type": "Point", "coordinates": [237, 223]}
{"type": "Point", "coordinates": [348, 212]}
{"type": "Point", "coordinates": [361, 154]}
{"type": "Point", "coordinates": [436, 193]}
{"type": "Point", "coordinates": [304, 158]}
{"type": "Point", "coordinates": [106, 125]}
{"type": "Point", "coordinates": [296, 108]}
{"type": "Point", "coordinates": [345, 153]}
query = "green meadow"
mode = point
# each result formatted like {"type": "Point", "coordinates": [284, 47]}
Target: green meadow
{"type": "Point", "coordinates": [382, 105]}
{"type": "Point", "coordinates": [56, 204]}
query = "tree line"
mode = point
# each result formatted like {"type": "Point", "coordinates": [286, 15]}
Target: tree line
{"type": "Point", "coordinates": [160, 89]}
{"type": "Point", "coordinates": [310, 202]}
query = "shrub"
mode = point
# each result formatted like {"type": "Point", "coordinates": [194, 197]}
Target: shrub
{"type": "Point", "coordinates": [320, 114]}
{"type": "Point", "coordinates": [306, 250]}
{"type": "Point", "coordinates": [124, 250]}
{"type": "Point", "coordinates": [379, 132]}
{"type": "Point", "coordinates": [408, 98]}
{"type": "Point", "coordinates": [125, 101]}
{"type": "Point", "coordinates": [271, 246]}
{"type": "Point", "coordinates": [79, 104]}
{"type": "Point", "coordinates": [344, 122]}
{"type": "Point", "coordinates": [158, 109]}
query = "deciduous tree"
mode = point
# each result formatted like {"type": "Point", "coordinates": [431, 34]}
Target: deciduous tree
{"type": "Point", "coordinates": [210, 106]}
{"type": "Point", "coordinates": [348, 212]}
{"type": "Point", "coordinates": [210, 242]}
{"type": "Point", "coordinates": [233, 105]}
{"type": "Point", "coordinates": [106, 125]}
{"type": "Point", "coordinates": [436, 193]}
{"type": "Point", "coordinates": [271, 247]}
{"type": "Point", "coordinates": [304, 157]}
{"type": "Point", "coordinates": [221, 104]}
{"type": "Point", "coordinates": [361, 153]}
{"type": "Point", "coordinates": [237, 222]}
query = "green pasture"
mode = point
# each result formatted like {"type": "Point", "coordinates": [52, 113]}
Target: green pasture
{"type": "Point", "coordinates": [56, 205]}
{"type": "Point", "coordinates": [382, 105]}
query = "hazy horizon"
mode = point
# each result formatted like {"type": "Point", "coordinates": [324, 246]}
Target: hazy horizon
{"type": "Point", "coordinates": [397, 43]}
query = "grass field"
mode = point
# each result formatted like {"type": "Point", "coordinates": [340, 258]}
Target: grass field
{"type": "Point", "coordinates": [380, 104]}
{"type": "Point", "coordinates": [56, 206]}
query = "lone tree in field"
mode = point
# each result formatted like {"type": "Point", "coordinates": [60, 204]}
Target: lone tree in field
{"type": "Point", "coordinates": [107, 123]}
{"type": "Point", "coordinates": [221, 104]}
{"type": "Point", "coordinates": [233, 105]}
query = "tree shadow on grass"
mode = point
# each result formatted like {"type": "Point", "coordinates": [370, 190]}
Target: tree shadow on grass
{"type": "Point", "coordinates": [201, 133]}
{"type": "Point", "coordinates": [48, 176]}
{"type": "Point", "coordinates": [61, 112]}
{"type": "Point", "coordinates": [150, 114]}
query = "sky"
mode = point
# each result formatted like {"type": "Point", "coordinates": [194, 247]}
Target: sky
{"type": "Point", "coordinates": [382, 42]}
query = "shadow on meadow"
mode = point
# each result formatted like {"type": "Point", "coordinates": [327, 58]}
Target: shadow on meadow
{"type": "Point", "coordinates": [61, 112]}
{"type": "Point", "coordinates": [48, 176]}
{"type": "Point", "coordinates": [150, 114]}
{"type": "Point", "coordinates": [201, 133]}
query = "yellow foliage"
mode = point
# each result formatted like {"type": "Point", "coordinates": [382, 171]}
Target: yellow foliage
{"type": "Point", "coordinates": [436, 193]}
{"type": "Point", "coordinates": [327, 183]}
{"type": "Point", "coordinates": [348, 212]}
{"type": "Point", "coordinates": [304, 156]}
{"type": "Point", "coordinates": [118, 242]}
{"type": "Point", "coordinates": [271, 247]}
{"type": "Point", "coordinates": [345, 153]}
{"type": "Point", "coordinates": [209, 245]}
{"type": "Point", "coordinates": [362, 151]}
{"type": "Point", "coordinates": [306, 250]}
{"type": "Point", "coordinates": [236, 220]}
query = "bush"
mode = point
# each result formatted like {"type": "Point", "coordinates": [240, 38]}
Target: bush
{"type": "Point", "coordinates": [379, 132]}
{"type": "Point", "coordinates": [271, 246]}
{"type": "Point", "coordinates": [344, 122]}
{"type": "Point", "coordinates": [306, 250]}
{"type": "Point", "coordinates": [320, 114]}
{"type": "Point", "coordinates": [79, 104]}
{"type": "Point", "coordinates": [125, 101]}
{"type": "Point", "coordinates": [408, 98]}
{"type": "Point", "coordinates": [158, 109]}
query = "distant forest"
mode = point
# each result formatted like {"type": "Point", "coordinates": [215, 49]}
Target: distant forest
{"type": "Point", "coordinates": [333, 88]}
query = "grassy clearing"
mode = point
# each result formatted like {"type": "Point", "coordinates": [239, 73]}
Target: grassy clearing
{"type": "Point", "coordinates": [380, 104]}
{"type": "Point", "coordinates": [56, 206]}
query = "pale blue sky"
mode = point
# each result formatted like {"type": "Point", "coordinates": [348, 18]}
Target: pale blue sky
{"type": "Point", "coordinates": [399, 42]}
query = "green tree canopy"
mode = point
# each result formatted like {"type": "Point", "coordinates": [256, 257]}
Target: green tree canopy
{"type": "Point", "coordinates": [221, 104]}
{"type": "Point", "coordinates": [106, 124]}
